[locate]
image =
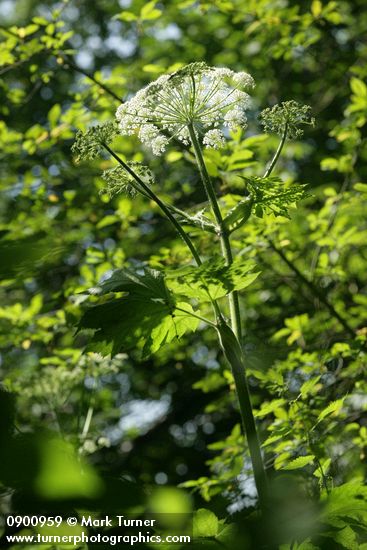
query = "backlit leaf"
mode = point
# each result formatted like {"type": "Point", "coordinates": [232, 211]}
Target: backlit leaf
{"type": "Point", "coordinates": [213, 279]}
{"type": "Point", "coordinates": [146, 317]}
{"type": "Point", "coordinates": [205, 524]}
{"type": "Point", "coordinates": [299, 462]}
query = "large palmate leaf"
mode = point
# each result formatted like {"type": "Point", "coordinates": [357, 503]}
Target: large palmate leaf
{"type": "Point", "coordinates": [273, 195]}
{"type": "Point", "coordinates": [146, 284]}
{"type": "Point", "coordinates": [147, 317]}
{"type": "Point", "coordinates": [213, 279]}
{"type": "Point", "coordinates": [345, 515]}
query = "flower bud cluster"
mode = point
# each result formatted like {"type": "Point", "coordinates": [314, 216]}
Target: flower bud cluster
{"type": "Point", "coordinates": [288, 115]}
{"type": "Point", "coordinates": [88, 145]}
{"type": "Point", "coordinates": [118, 180]}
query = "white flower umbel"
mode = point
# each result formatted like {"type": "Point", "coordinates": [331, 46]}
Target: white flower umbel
{"type": "Point", "coordinates": [214, 139]}
{"type": "Point", "coordinates": [197, 96]}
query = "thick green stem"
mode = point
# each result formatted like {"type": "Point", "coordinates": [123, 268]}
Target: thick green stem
{"type": "Point", "coordinates": [222, 230]}
{"type": "Point", "coordinates": [233, 352]}
{"type": "Point", "coordinates": [230, 338]}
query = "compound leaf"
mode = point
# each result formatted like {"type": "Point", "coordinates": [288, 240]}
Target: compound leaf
{"type": "Point", "coordinates": [213, 279]}
{"type": "Point", "coordinates": [273, 195]}
{"type": "Point", "coordinates": [146, 317]}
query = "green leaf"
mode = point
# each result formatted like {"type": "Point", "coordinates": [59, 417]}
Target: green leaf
{"type": "Point", "coordinates": [40, 21]}
{"type": "Point", "coordinates": [316, 8]}
{"type": "Point", "coordinates": [184, 322]}
{"type": "Point", "coordinates": [333, 407]}
{"type": "Point", "coordinates": [146, 317]}
{"type": "Point", "coordinates": [273, 195]}
{"type": "Point", "coordinates": [126, 16]}
{"type": "Point", "coordinates": [212, 382]}
{"type": "Point", "coordinates": [361, 187]}
{"type": "Point", "coordinates": [108, 220]}
{"type": "Point", "coordinates": [205, 523]}
{"type": "Point", "coordinates": [149, 284]}
{"type": "Point", "coordinates": [239, 214]}
{"type": "Point", "coordinates": [149, 11]}
{"type": "Point", "coordinates": [347, 499]}
{"type": "Point", "coordinates": [29, 29]}
{"type": "Point", "coordinates": [238, 160]}
{"type": "Point", "coordinates": [77, 479]}
{"type": "Point", "coordinates": [25, 256]}
{"type": "Point", "coordinates": [270, 407]}
{"type": "Point", "coordinates": [308, 386]}
{"type": "Point", "coordinates": [213, 279]}
{"type": "Point", "coordinates": [346, 538]}
{"type": "Point", "coordinates": [299, 462]}
{"type": "Point", "coordinates": [227, 533]}
{"type": "Point", "coordinates": [54, 115]}
{"type": "Point", "coordinates": [325, 465]}
{"type": "Point", "coordinates": [358, 86]}
{"type": "Point", "coordinates": [171, 327]}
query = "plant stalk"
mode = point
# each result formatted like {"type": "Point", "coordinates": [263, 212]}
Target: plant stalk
{"type": "Point", "coordinates": [230, 338]}
{"type": "Point", "coordinates": [223, 235]}
{"type": "Point", "coordinates": [277, 152]}
{"type": "Point", "coordinates": [233, 352]}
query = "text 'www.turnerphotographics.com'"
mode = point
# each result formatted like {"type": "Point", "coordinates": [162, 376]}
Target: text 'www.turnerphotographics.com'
{"type": "Point", "coordinates": [107, 529]}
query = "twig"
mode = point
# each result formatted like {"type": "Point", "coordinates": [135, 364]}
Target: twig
{"type": "Point", "coordinates": [316, 291]}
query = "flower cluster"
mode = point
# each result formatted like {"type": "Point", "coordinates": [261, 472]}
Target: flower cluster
{"type": "Point", "coordinates": [288, 115]}
{"type": "Point", "coordinates": [88, 145]}
{"type": "Point", "coordinates": [118, 180]}
{"type": "Point", "coordinates": [197, 96]}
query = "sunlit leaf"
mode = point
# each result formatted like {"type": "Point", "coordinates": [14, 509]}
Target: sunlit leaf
{"type": "Point", "coordinates": [205, 523]}
{"type": "Point", "coordinates": [213, 279]}
{"type": "Point", "coordinates": [299, 462]}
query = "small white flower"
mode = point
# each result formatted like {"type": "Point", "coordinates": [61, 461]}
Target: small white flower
{"type": "Point", "coordinates": [235, 118]}
{"type": "Point", "coordinates": [197, 96]}
{"type": "Point", "coordinates": [214, 139]}
{"type": "Point", "coordinates": [243, 79]}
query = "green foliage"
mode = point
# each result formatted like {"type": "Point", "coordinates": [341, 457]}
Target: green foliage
{"type": "Point", "coordinates": [212, 280]}
{"type": "Point", "coordinates": [272, 195]}
{"type": "Point", "coordinates": [205, 523]}
{"type": "Point", "coordinates": [299, 462]}
{"type": "Point", "coordinates": [345, 515]}
{"type": "Point", "coordinates": [148, 315]}
{"type": "Point", "coordinates": [65, 70]}
{"type": "Point", "coordinates": [77, 479]}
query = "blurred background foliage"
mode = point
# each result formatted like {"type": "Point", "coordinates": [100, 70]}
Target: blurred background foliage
{"type": "Point", "coordinates": [172, 419]}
